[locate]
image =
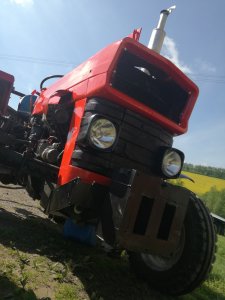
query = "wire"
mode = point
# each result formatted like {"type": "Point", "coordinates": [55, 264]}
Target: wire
{"type": "Point", "coordinates": [30, 59]}
{"type": "Point", "coordinates": [206, 78]}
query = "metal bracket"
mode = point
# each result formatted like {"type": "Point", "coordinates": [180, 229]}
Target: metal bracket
{"type": "Point", "coordinates": [154, 216]}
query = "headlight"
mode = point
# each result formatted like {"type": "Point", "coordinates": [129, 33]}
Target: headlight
{"type": "Point", "coordinates": [102, 133]}
{"type": "Point", "coordinates": [172, 162]}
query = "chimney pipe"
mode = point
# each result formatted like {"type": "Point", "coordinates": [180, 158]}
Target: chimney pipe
{"type": "Point", "coordinates": [158, 33]}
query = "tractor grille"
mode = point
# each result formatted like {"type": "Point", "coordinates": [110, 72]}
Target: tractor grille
{"type": "Point", "coordinates": [148, 84]}
{"type": "Point", "coordinates": [137, 145]}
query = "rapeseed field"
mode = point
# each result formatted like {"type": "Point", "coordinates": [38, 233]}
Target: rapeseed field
{"type": "Point", "coordinates": [202, 183]}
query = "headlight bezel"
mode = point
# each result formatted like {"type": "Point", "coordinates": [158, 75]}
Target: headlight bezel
{"type": "Point", "coordinates": [166, 151]}
{"type": "Point", "coordinates": [85, 139]}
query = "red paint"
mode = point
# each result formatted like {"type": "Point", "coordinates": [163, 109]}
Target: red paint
{"type": "Point", "coordinates": [68, 173]}
{"type": "Point", "coordinates": [92, 79]}
{"type": "Point", "coordinates": [6, 86]}
{"type": "Point", "coordinates": [136, 34]}
{"type": "Point", "coordinates": [71, 139]}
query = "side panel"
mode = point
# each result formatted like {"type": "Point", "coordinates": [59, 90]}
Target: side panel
{"type": "Point", "coordinates": [68, 172]}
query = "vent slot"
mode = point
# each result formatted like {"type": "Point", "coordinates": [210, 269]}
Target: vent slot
{"type": "Point", "coordinates": [166, 222]}
{"type": "Point", "coordinates": [143, 215]}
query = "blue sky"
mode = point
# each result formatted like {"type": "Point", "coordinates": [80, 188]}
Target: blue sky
{"type": "Point", "coordinates": [43, 37]}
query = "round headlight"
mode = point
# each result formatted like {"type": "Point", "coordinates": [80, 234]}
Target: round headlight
{"type": "Point", "coordinates": [102, 133]}
{"type": "Point", "coordinates": [171, 163]}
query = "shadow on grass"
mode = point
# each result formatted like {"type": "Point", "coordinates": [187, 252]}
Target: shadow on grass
{"type": "Point", "coordinates": [100, 275]}
{"type": "Point", "coordinates": [205, 293]}
{"type": "Point", "coordinates": [8, 290]}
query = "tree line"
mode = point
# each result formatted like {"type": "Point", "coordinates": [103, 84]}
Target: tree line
{"type": "Point", "coordinates": [205, 170]}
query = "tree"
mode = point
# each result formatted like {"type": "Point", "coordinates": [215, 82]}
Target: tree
{"type": "Point", "coordinates": [215, 200]}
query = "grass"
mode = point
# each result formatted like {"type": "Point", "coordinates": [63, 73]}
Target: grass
{"type": "Point", "coordinates": [37, 263]}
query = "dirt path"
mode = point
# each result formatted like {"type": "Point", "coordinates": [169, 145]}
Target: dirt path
{"type": "Point", "coordinates": [15, 199]}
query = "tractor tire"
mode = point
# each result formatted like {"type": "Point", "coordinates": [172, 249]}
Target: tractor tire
{"type": "Point", "coordinates": [190, 264]}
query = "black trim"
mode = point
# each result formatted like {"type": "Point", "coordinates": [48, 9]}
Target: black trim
{"type": "Point", "coordinates": [84, 137]}
{"type": "Point", "coordinates": [150, 85]}
{"type": "Point", "coordinates": [138, 145]}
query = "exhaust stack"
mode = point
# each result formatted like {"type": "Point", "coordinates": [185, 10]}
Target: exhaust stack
{"type": "Point", "coordinates": [158, 33]}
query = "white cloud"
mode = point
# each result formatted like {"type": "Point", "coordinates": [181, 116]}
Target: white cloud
{"type": "Point", "coordinates": [170, 51]}
{"type": "Point", "coordinates": [22, 2]}
{"type": "Point", "coordinates": [206, 67]}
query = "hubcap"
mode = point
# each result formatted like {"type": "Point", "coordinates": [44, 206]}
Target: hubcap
{"type": "Point", "coordinates": [163, 263]}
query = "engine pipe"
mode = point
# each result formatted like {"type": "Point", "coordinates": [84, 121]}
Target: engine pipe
{"type": "Point", "coordinates": [17, 93]}
{"type": "Point", "coordinates": [158, 33]}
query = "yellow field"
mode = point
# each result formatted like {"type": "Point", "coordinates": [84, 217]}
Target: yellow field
{"type": "Point", "coordinates": [202, 183]}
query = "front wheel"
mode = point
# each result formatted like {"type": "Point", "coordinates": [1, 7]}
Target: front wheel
{"type": "Point", "coordinates": [190, 263]}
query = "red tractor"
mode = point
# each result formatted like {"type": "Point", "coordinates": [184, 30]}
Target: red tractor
{"type": "Point", "coordinates": [96, 148]}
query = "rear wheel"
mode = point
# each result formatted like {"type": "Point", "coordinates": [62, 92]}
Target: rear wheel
{"type": "Point", "coordinates": [190, 263]}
